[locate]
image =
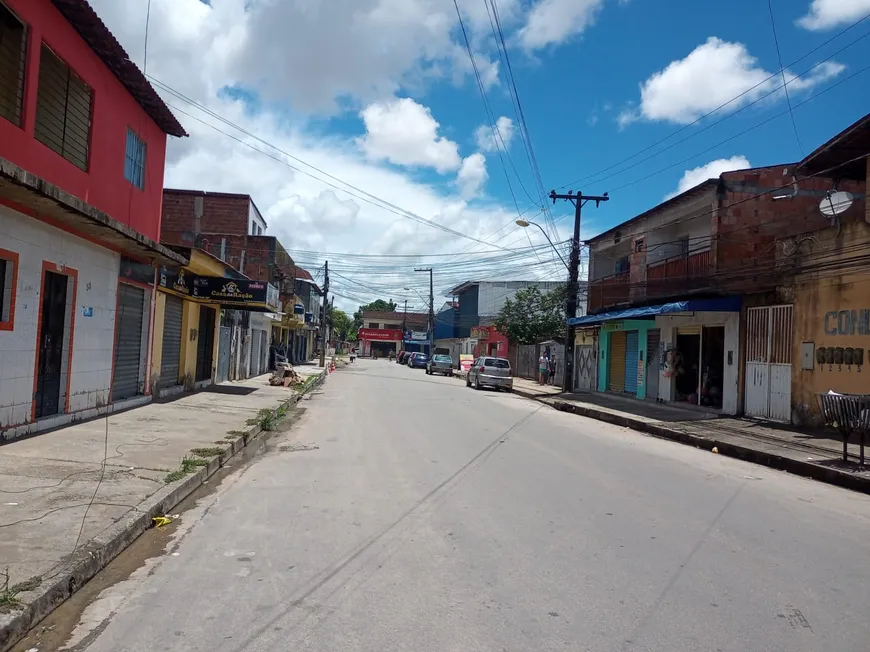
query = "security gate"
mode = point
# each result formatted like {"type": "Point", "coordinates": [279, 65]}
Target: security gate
{"type": "Point", "coordinates": [768, 362]}
{"type": "Point", "coordinates": [205, 343]}
{"type": "Point", "coordinates": [223, 363]}
{"type": "Point", "coordinates": [256, 341]}
{"type": "Point", "coordinates": [128, 342]}
{"type": "Point", "coordinates": [170, 360]}
{"type": "Point", "coordinates": [585, 368]}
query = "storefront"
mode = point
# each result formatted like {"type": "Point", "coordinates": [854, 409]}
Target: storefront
{"type": "Point", "coordinates": [685, 351]}
{"type": "Point", "coordinates": [489, 342]}
{"type": "Point", "coordinates": [380, 342]}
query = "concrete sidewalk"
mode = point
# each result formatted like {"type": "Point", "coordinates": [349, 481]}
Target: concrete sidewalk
{"type": "Point", "coordinates": [817, 455]}
{"type": "Point", "coordinates": [72, 499]}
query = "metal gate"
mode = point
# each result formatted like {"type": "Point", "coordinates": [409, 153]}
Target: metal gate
{"type": "Point", "coordinates": [264, 351]}
{"type": "Point", "coordinates": [205, 343]}
{"type": "Point", "coordinates": [170, 360]}
{"type": "Point", "coordinates": [631, 349]}
{"type": "Point", "coordinates": [255, 352]}
{"type": "Point", "coordinates": [128, 342]}
{"type": "Point", "coordinates": [616, 364]}
{"type": "Point", "coordinates": [223, 363]}
{"type": "Point", "coordinates": [768, 362]}
{"type": "Point", "coordinates": [653, 339]}
{"type": "Point", "coordinates": [585, 368]}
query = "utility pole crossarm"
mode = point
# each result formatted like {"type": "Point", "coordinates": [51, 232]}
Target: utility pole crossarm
{"type": "Point", "coordinates": [578, 199]}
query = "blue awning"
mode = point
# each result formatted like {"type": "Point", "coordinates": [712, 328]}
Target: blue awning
{"type": "Point", "coordinates": [725, 304]}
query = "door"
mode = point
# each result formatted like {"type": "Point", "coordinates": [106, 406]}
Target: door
{"type": "Point", "coordinates": [616, 364]}
{"type": "Point", "coordinates": [585, 368]}
{"type": "Point", "coordinates": [128, 342]}
{"type": "Point", "coordinates": [224, 346]}
{"type": "Point", "coordinates": [653, 338]}
{"type": "Point", "coordinates": [205, 343]}
{"type": "Point", "coordinates": [768, 362]}
{"type": "Point", "coordinates": [49, 372]}
{"type": "Point", "coordinates": [264, 351]}
{"type": "Point", "coordinates": [170, 360]}
{"type": "Point", "coordinates": [255, 352]}
{"type": "Point", "coordinates": [631, 349]}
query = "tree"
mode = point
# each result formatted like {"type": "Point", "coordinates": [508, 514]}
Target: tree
{"type": "Point", "coordinates": [533, 316]}
{"type": "Point", "coordinates": [379, 305]}
{"type": "Point", "coordinates": [340, 322]}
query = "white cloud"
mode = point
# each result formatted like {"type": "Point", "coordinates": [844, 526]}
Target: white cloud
{"type": "Point", "coordinates": [825, 14]}
{"type": "Point", "coordinates": [405, 133]}
{"type": "Point", "coordinates": [488, 141]}
{"type": "Point", "coordinates": [472, 175]}
{"type": "Point", "coordinates": [551, 22]}
{"type": "Point", "coordinates": [711, 170]}
{"type": "Point", "coordinates": [711, 75]}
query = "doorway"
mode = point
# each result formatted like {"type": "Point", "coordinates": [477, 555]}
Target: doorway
{"type": "Point", "coordinates": [712, 365]}
{"type": "Point", "coordinates": [50, 363]}
{"type": "Point", "coordinates": [687, 371]}
{"type": "Point", "coordinates": [205, 343]}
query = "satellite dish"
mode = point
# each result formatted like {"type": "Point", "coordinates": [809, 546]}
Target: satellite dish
{"type": "Point", "coordinates": [836, 203]}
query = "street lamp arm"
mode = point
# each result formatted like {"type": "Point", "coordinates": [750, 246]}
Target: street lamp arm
{"type": "Point", "coordinates": [526, 223]}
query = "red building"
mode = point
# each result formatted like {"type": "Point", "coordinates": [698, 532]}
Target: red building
{"type": "Point", "coordinates": [82, 149]}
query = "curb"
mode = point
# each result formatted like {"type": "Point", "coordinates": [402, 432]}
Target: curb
{"type": "Point", "coordinates": [772, 460]}
{"type": "Point", "coordinates": [71, 574]}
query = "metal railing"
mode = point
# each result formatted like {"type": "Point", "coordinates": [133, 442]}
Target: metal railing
{"type": "Point", "coordinates": [849, 414]}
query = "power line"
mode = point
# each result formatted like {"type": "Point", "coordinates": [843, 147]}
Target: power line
{"type": "Point", "coordinates": [784, 82]}
{"type": "Point", "coordinates": [723, 105]}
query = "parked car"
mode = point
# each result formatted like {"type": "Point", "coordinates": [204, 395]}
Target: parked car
{"type": "Point", "coordinates": [490, 372]}
{"type": "Point", "coordinates": [417, 361]}
{"type": "Point", "coordinates": [400, 359]}
{"type": "Point", "coordinates": [440, 364]}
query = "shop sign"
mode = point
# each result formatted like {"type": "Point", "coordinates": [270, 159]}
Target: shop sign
{"type": "Point", "coordinates": [382, 334]}
{"type": "Point", "coordinates": [613, 326]}
{"type": "Point", "coordinates": [178, 281]}
{"type": "Point", "coordinates": [419, 335]}
{"type": "Point", "coordinates": [465, 360]}
{"type": "Point", "coordinates": [236, 292]}
{"type": "Point", "coordinates": [298, 309]}
{"type": "Point", "coordinates": [847, 322]}
{"type": "Point", "coordinates": [480, 332]}
{"type": "Point", "coordinates": [135, 271]}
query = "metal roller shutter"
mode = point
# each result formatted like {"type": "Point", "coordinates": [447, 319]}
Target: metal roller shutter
{"type": "Point", "coordinates": [616, 370]}
{"type": "Point", "coordinates": [631, 362]}
{"type": "Point", "coordinates": [170, 362]}
{"type": "Point", "coordinates": [128, 342]}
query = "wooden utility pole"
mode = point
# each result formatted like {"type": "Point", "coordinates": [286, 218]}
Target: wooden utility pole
{"type": "Point", "coordinates": [323, 318]}
{"type": "Point", "coordinates": [578, 199]}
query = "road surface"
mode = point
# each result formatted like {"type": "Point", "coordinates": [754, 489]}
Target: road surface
{"type": "Point", "coordinates": [432, 517]}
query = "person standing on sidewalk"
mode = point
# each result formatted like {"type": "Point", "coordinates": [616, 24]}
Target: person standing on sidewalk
{"type": "Point", "coordinates": [543, 369]}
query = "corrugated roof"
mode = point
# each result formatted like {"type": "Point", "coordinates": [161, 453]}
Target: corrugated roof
{"type": "Point", "coordinates": [837, 155]}
{"type": "Point", "coordinates": [91, 28]}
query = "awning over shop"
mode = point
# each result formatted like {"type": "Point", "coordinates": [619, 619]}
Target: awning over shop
{"type": "Point", "coordinates": [725, 304]}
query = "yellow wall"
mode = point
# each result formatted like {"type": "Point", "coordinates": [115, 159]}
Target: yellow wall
{"type": "Point", "coordinates": [190, 338]}
{"type": "Point", "coordinates": [832, 309]}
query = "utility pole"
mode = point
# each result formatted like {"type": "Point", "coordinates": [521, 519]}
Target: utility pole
{"type": "Point", "coordinates": [404, 323]}
{"type": "Point", "coordinates": [331, 320]}
{"type": "Point", "coordinates": [323, 319]}
{"type": "Point", "coordinates": [431, 308]}
{"type": "Point", "coordinates": [578, 199]}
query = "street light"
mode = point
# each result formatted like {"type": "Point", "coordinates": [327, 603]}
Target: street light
{"type": "Point", "coordinates": [525, 224]}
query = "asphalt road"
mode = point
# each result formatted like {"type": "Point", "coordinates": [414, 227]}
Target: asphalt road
{"type": "Point", "coordinates": [433, 517]}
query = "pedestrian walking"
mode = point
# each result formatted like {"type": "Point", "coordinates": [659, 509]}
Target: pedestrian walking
{"type": "Point", "coordinates": [552, 369]}
{"type": "Point", "coordinates": [543, 369]}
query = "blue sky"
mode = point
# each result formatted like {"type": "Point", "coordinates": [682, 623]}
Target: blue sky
{"type": "Point", "coordinates": [379, 94]}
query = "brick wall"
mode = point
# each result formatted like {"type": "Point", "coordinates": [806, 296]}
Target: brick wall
{"type": "Point", "coordinates": [221, 213]}
{"type": "Point", "coordinates": [749, 230]}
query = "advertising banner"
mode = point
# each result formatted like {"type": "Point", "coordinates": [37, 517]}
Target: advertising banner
{"type": "Point", "coordinates": [465, 360]}
{"type": "Point", "coordinates": [382, 334]}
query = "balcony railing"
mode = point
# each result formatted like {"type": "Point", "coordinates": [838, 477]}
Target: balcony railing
{"type": "Point", "coordinates": [609, 291]}
{"type": "Point", "coordinates": [679, 274]}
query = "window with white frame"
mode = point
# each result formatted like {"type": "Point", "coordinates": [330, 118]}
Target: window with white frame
{"type": "Point", "coordinates": [134, 160]}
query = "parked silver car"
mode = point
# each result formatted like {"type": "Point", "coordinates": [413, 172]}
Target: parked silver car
{"type": "Point", "coordinates": [490, 372]}
{"type": "Point", "coordinates": [440, 364]}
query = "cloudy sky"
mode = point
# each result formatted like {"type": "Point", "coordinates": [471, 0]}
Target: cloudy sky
{"type": "Point", "coordinates": [354, 122]}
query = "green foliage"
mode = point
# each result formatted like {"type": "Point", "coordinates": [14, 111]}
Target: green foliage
{"type": "Point", "coordinates": [533, 316]}
{"type": "Point", "coordinates": [379, 305]}
{"type": "Point", "coordinates": [340, 321]}
{"type": "Point", "coordinates": [212, 451]}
